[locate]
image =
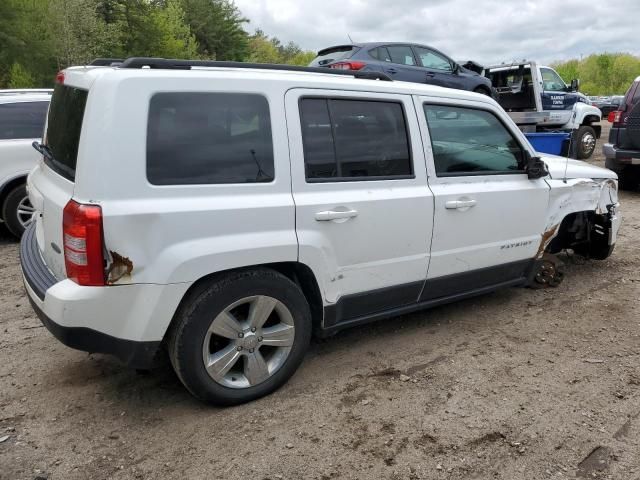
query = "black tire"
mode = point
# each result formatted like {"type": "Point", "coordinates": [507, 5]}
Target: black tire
{"type": "Point", "coordinates": [188, 333]}
{"type": "Point", "coordinates": [585, 142]}
{"type": "Point", "coordinates": [483, 91]}
{"type": "Point", "coordinates": [633, 126]}
{"type": "Point", "coordinates": [10, 210]}
{"type": "Point", "coordinates": [628, 178]}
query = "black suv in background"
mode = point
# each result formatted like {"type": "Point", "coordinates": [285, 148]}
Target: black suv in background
{"type": "Point", "coordinates": [405, 62]}
{"type": "Point", "coordinates": [623, 150]}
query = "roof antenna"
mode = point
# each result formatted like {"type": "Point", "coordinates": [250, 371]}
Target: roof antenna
{"type": "Point", "coordinates": [350, 39]}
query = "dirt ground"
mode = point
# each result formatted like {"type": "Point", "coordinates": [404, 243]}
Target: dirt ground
{"type": "Point", "coordinates": [519, 384]}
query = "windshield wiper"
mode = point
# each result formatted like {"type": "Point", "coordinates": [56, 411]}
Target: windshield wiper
{"type": "Point", "coordinates": [43, 149]}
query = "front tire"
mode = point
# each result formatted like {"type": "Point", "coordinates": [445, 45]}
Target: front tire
{"type": "Point", "coordinates": [17, 211]}
{"type": "Point", "coordinates": [628, 178]}
{"type": "Point", "coordinates": [240, 337]}
{"type": "Point", "coordinates": [483, 91]}
{"type": "Point", "coordinates": [585, 142]}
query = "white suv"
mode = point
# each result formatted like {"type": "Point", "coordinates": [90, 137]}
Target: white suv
{"type": "Point", "coordinates": [224, 211]}
{"type": "Point", "coordinates": [22, 116]}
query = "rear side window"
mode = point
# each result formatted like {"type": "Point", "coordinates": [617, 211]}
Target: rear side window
{"type": "Point", "coordinates": [63, 129]}
{"type": "Point", "coordinates": [209, 138]}
{"type": "Point", "coordinates": [331, 55]}
{"type": "Point", "coordinates": [22, 120]}
{"type": "Point", "coordinates": [401, 54]}
{"type": "Point", "coordinates": [354, 140]}
{"type": "Point", "coordinates": [469, 141]}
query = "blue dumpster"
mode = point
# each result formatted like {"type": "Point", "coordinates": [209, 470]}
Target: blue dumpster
{"type": "Point", "coordinates": [551, 142]}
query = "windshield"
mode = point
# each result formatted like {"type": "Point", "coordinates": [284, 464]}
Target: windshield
{"type": "Point", "coordinates": [551, 81]}
{"type": "Point", "coordinates": [331, 55]}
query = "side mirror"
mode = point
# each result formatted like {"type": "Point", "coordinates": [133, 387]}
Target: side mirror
{"type": "Point", "coordinates": [575, 85]}
{"type": "Point", "coordinates": [535, 167]}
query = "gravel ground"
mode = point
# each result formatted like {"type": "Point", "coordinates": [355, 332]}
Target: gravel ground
{"type": "Point", "coordinates": [519, 384]}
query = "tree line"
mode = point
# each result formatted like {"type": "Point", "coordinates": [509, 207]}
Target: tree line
{"type": "Point", "coordinates": [40, 37]}
{"type": "Point", "coordinates": [602, 74]}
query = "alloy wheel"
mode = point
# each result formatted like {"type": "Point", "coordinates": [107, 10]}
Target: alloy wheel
{"type": "Point", "coordinates": [248, 342]}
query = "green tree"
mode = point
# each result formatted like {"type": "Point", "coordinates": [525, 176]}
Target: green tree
{"type": "Point", "coordinates": [218, 28]}
{"type": "Point", "coordinates": [175, 39]}
{"type": "Point", "coordinates": [78, 34]}
{"type": "Point", "coordinates": [602, 74]}
{"type": "Point", "coordinates": [19, 77]}
{"type": "Point", "coordinates": [263, 49]}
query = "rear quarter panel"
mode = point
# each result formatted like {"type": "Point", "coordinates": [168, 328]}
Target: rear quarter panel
{"type": "Point", "coordinates": [173, 234]}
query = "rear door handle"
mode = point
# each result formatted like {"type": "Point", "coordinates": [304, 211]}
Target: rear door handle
{"type": "Point", "coordinates": [328, 215]}
{"type": "Point", "coordinates": [459, 204]}
{"type": "Point", "coordinates": [392, 70]}
{"type": "Point", "coordinates": [431, 74]}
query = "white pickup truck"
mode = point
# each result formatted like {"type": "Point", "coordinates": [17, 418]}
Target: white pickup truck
{"type": "Point", "coordinates": [538, 100]}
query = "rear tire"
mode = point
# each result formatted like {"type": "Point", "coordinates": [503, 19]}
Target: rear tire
{"type": "Point", "coordinates": [585, 140]}
{"type": "Point", "coordinates": [216, 352]}
{"type": "Point", "coordinates": [17, 210]}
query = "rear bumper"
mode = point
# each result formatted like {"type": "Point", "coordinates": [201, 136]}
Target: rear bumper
{"type": "Point", "coordinates": [127, 321]}
{"type": "Point", "coordinates": [133, 354]}
{"type": "Point", "coordinates": [620, 155]}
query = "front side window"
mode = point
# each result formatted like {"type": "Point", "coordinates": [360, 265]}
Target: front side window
{"type": "Point", "coordinates": [354, 139]}
{"type": "Point", "coordinates": [209, 138]}
{"type": "Point", "coordinates": [551, 81]}
{"type": "Point", "coordinates": [430, 59]}
{"type": "Point", "coordinates": [401, 54]}
{"type": "Point", "coordinates": [22, 120]}
{"type": "Point", "coordinates": [468, 141]}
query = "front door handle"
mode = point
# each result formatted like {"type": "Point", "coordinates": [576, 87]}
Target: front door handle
{"type": "Point", "coordinates": [328, 215]}
{"type": "Point", "coordinates": [431, 74]}
{"type": "Point", "coordinates": [459, 204]}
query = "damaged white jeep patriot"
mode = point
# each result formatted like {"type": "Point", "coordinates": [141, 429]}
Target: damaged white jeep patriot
{"type": "Point", "coordinates": [225, 211]}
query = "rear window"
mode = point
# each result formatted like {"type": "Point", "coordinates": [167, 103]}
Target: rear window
{"type": "Point", "coordinates": [63, 129]}
{"type": "Point", "coordinates": [22, 120]}
{"type": "Point", "coordinates": [209, 138]}
{"type": "Point", "coordinates": [331, 55]}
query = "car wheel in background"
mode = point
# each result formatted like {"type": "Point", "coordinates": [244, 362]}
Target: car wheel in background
{"type": "Point", "coordinates": [240, 337]}
{"type": "Point", "coordinates": [482, 90]}
{"type": "Point", "coordinates": [17, 210]}
{"type": "Point", "coordinates": [585, 141]}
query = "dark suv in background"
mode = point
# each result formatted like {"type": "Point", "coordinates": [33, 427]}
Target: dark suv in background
{"type": "Point", "coordinates": [623, 150]}
{"type": "Point", "coordinates": [406, 62]}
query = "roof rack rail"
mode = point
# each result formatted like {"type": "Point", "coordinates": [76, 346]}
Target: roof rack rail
{"type": "Point", "coordinates": [175, 64]}
{"type": "Point", "coordinates": [107, 62]}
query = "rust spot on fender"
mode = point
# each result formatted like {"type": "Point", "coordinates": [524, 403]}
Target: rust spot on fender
{"type": "Point", "coordinates": [120, 267]}
{"type": "Point", "coordinates": [546, 239]}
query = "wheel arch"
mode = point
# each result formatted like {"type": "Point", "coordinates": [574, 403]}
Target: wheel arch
{"type": "Point", "coordinates": [297, 272]}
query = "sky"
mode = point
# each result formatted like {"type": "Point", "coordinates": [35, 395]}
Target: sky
{"type": "Point", "coordinates": [487, 31]}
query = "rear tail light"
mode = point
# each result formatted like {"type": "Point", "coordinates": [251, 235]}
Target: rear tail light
{"type": "Point", "coordinates": [60, 77]}
{"type": "Point", "coordinates": [83, 243]}
{"type": "Point", "coordinates": [348, 65]}
{"type": "Point", "coordinates": [614, 117]}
